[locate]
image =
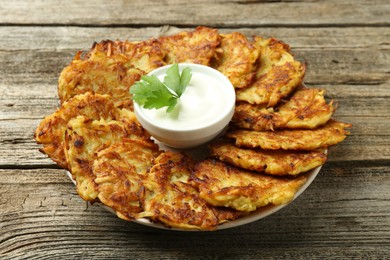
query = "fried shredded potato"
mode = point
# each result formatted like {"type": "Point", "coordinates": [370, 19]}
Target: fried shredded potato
{"type": "Point", "coordinates": [277, 75]}
{"type": "Point", "coordinates": [327, 135]}
{"type": "Point", "coordinates": [82, 126]}
{"type": "Point", "coordinates": [119, 170]}
{"type": "Point", "coordinates": [306, 109]}
{"type": "Point", "coordinates": [51, 131]}
{"type": "Point", "coordinates": [235, 58]}
{"type": "Point", "coordinates": [272, 162]}
{"type": "Point", "coordinates": [197, 46]}
{"type": "Point", "coordinates": [278, 83]}
{"type": "Point", "coordinates": [172, 199]}
{"type": "Point", "coordinates": [84, 138]}
{"type": "Point", "coordinates": [145, 55]}
{"type": "Point", "coordinates": [102, 75]}
{"type": "Point", "coordinates": [221, 184]}
{"type": "Point", "coordinates": [110, 67]}
{"type": "Point", "coordinates": [273, 52]}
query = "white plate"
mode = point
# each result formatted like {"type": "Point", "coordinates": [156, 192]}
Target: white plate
{"type": "Point", "coordinates": [199, 154]}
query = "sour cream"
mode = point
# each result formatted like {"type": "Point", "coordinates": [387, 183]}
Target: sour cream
{"type": "Point", "coordinates": [201, 103]}
{"type": "Point", "coordinates": [204, 109]}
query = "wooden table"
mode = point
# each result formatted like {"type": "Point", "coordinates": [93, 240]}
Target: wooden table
{"type": "Point", "coordinates": [344, 213]}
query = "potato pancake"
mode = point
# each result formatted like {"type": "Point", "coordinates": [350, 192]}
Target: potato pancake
{"type": "Point", "coordinates": [327, 135]}
{"type": "Point", "coordinates": [172, 199]}
{"type": "Point", "coordinates": [144, 55]}
{"type": "Point", "coordinates": [197, 46]}
{"type": "Point", "coordinates": [276, 84]}
{"type": "Point", "coordinates": [85, 137]}
{"type": "Point", "coordinates": [100, 75]}
{"type": "Point", "coordinates": [222, 184]}
{"type": "Point", "coordinates": [273, 52]}
{"type": "Point", "coordinates": [272, 162]}
{"type": "Point", "coordinates": [51, 130]}
{"type": "Point", "coordinates": [235, 58]}
{"type": "Point", "coordinates": [306, 109]}
{"type": "Point", "coordinates": [119, 170]}
{"type": "Point", "coordinates": [277, 74]}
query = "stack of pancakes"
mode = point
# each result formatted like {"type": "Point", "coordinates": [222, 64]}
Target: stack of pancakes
{"type": "Point", "coordinates": [280, 130]}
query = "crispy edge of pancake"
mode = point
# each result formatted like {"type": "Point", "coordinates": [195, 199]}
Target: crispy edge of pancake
{"type": "Point", "coordinates": [235, 57]}
{"type": "Point", "coordinates": [279, 82]}
{"type": "Point", "coordinates": [51, 130]}
{"type": "Point", "coordinates": [102, 76]}
{"type": "Point", "coordinates": [196, 46]}
{"type": "Point", "coordinates": [224, 185]}
{"type": "Point", "coordinates": [272, 162]}
{"type": "Point", "coordinates": [327, 135]}
{"type": "Point", "coordinates": [119, 170]}
{"type": "Point", "coordinates": [171, 198]}
{"type": "Point", "coordinates": [306, 109]}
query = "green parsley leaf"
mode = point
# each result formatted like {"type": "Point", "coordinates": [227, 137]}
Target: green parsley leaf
{"type": "Point", "coordinates": [151, 93]}
{"type": "Point", "coordinates": [176, 82]}
{"type": "Point", "coordinates": [184, 80]}
{"type": "Point", "coordinates": [172, 79]}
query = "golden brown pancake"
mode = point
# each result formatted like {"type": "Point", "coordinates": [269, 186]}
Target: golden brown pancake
{"type": "Point", "coordinates": [273, 52]}
{"type": "Point", "coordinates": [277, 74]}
{"type": "Point", "coordinates": [327, 135]}
{"type": "Point", "coordinates": [235, 58]}
{"type": "Point", "coordinates": [222, 184]}
{"type": "Point", "coordinates": [85, 137]}
{"type": "Point", "coordinates": [276, 84]}
{"type": "Point", "coordinates": [99, 74]}
{"type": "Point", "coordinates": [272, 162]}
{"type": "Point", "coordinates": [145, 55]}
{"type": "Point", "coordinates": [119, 170]}
{"type": "Point", "coordinates": [171, 198]}
{"type": "Point", "coordinates": [197, 46]}
{"type": "Point", "coordinates": [51, 130]}
{"type": "Point", "coordinates": [306, 109]}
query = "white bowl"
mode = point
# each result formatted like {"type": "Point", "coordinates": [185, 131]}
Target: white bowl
{"type": "Point", "coordinates": [214, 109]}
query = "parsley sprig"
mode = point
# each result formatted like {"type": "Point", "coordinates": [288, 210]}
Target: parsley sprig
{"type": "Point", "coordinates": [151, 93]}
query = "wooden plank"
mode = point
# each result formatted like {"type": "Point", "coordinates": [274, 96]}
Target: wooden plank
{"type": "Point", "coordinates": [181, 12]}
{"type": "Point", "coordinates": [344, 212]}
{"type": "Point", "coordinates": [60, 38]}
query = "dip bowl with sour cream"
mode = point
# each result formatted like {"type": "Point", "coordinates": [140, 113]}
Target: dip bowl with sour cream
{"type": "Point", "coordinates": [204, 110]}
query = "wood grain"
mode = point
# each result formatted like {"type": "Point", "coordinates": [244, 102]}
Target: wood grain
{"type": "Point", "coordinates": [216, 13]}
{"type": "Point", "coordinates": [61, 38]}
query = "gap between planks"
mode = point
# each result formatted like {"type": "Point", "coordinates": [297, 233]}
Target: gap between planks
{"type": "Point", "coordinates": [191, 26]}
